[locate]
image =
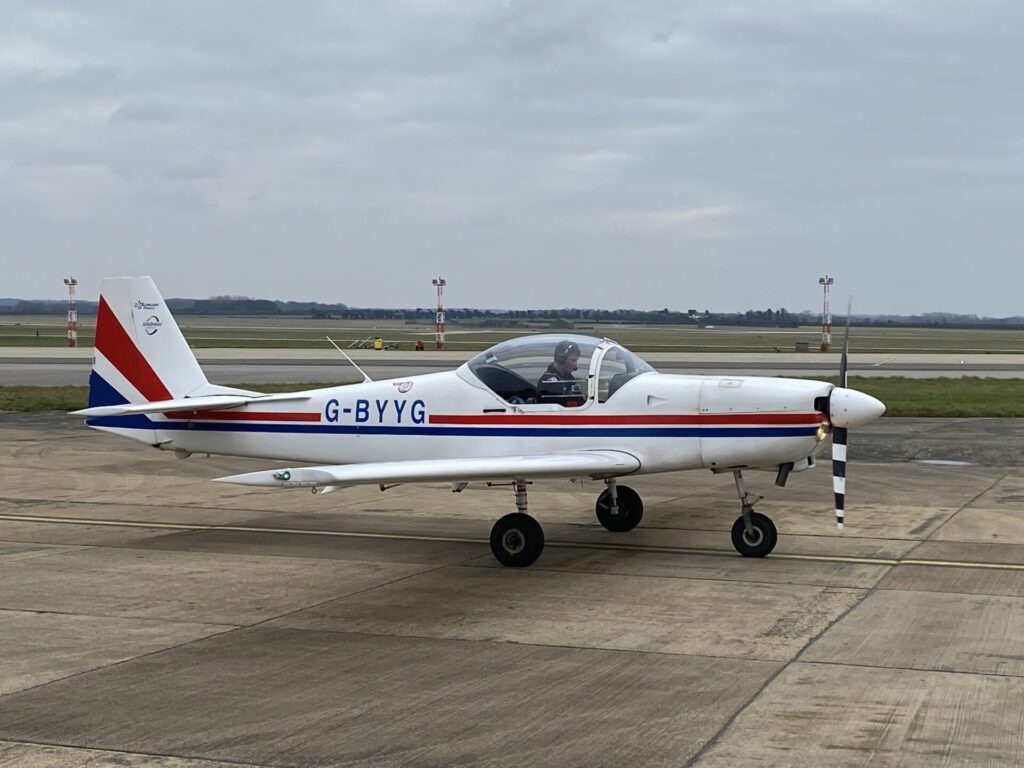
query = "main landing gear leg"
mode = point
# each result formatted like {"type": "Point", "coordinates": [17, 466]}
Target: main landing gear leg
{"type": "Point", "coordinates": [753, 534]}
{"type": "Point", "coordinates": [517, 539]}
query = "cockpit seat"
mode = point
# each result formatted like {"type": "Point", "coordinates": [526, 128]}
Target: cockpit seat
{"type": "Point", "coordinates": [508, 385]}
{"type": "Point", "coordinates": [618, 380]}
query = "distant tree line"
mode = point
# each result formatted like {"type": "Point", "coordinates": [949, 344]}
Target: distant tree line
{"type": "Point", "coordinates": [564, 317]}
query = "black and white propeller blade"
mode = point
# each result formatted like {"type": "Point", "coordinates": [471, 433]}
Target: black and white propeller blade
{"type": "Point", "coordinates": [839, 434]}
{"type": "Point", "coordinates": [847, 408]}
{"type": "Point", "coordinates": [839, 472]}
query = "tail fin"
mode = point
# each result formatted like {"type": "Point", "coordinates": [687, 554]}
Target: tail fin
{"type": "Point", "coordinates": [140, 354]}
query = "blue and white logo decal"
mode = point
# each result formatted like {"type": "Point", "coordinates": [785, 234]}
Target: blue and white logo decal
{"type": "Point", "coordinates": [151, 325]}
{"type": "Point", "coordinates": [140, 305]}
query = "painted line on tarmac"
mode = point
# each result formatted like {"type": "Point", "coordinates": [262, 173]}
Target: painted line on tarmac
{"type": "Point", "coordinates": [200, 527]}
{"type": "Point", "coordinates": [623, 547]}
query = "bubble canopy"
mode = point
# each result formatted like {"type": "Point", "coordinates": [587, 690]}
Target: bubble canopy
{"type": "Point", "coordinates": [592, 369]}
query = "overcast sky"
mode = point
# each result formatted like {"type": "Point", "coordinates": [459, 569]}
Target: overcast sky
{"type": "Point", "coordinates": [644, 154]}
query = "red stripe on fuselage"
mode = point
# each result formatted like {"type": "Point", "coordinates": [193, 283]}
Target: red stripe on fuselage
{"type": "Point", "coordinates": [631, 419]}
{"type": "Point", "coordinates": [114, 343]}
{"type": "Point", "coordinates": [244, 416]}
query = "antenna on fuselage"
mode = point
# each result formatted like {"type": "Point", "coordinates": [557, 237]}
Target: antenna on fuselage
{"type": "Point", "coordinates": [343, 354]}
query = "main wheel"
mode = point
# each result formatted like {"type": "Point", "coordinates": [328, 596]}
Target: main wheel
{"type": "Point", "coordinates": [630, 512]}
{"type": "Point", "coordinates": [758, 543]}
{"type": "Point", "coordinates": [517, 540]}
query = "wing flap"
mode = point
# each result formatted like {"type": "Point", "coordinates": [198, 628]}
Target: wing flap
{"type": "Point", "coordinates": [572, 464]}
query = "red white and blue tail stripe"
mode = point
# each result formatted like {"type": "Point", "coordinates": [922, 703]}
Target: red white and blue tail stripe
{"type": "Point", "coordinates": [141, 355]}
{"type": "Point", "coordinates": [142, 363]}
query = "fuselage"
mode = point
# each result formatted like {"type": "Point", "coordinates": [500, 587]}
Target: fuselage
{"type": "Point", "coordinates": [669, 422]}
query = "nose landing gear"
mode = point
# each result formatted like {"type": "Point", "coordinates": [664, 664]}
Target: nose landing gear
{"type": "Point", "coordinates": [753, 534]}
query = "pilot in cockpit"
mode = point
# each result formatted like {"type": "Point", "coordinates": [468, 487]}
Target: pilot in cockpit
{"type": "Point", "coordinates": [557, 383]}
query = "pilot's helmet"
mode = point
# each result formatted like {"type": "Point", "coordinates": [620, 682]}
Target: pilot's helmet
{"type": "Point", "coordinates": [565, 350]}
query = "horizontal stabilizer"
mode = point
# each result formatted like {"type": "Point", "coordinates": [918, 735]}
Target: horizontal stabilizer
{"type": "Point", "coordinates": [576, 464]}
{"type": "Point", "coordinates": [202, 403]}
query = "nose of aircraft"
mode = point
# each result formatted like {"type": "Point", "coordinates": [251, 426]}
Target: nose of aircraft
{"type": "Point", "coordinates": [850, 408]}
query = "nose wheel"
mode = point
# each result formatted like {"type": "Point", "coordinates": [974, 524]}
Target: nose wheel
{"type": "Point", "coordinates": [753, 534]}
{"type": "Point", "coordinates": [759, 540]}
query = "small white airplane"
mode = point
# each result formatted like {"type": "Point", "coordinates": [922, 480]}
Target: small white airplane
{"type": "Point", "coordinates": [514, 413]}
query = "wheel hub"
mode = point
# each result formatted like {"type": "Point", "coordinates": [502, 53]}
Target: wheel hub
{"type": "Point", "coordinates": [513, 541]}
{"type": "Point", "coordinates": [753, 537]}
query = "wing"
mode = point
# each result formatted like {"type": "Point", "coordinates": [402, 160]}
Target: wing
{"type": "Point", "coordinates": [575, 464]}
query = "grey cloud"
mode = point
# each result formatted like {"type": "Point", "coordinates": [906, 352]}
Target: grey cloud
{"type": "Point", "coordinates": [197, 171]}
{"type": "Point", "coordinates": [720, 151]}
{"type": "Point", "coordinates": [147, 112]}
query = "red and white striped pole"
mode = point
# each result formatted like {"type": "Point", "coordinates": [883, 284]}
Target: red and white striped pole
{"type": "Point", "coordinates": [826, 316]}
{"type": "Point", "coordinates": [72, 312]}
{"type": "Point", "coordinates": [439, 333]}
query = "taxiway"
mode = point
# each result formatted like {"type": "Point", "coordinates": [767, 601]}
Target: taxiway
{"type": "Point", "coordinates": [70, 367]}
{"type": "Point", "coordinates": [151, 617]}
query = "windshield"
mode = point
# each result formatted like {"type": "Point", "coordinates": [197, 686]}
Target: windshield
{"type": "Point", "coordinates": [554, 368]}
{"type": "Point", "coordinates": [618, 366]}
{"type": "Point", "coordinates": [550, 368]}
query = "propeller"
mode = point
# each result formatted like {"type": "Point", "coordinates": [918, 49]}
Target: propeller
{"type": "Point", "coordinates": [840, 434]}
{"type": "Point", "coordinates": [847, 408]}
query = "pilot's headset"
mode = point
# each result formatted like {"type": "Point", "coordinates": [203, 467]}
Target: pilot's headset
{"type": "Point", "coordinates": [565, 350]}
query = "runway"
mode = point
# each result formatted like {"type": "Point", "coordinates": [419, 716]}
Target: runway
{"type": "Point", "coordinates": [70, 367]}
{"type": "Point", "coordinates": [150, 616]}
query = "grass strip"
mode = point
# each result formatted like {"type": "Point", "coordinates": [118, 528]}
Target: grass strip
{"type": "Point", "coordinates": [25, 399]}
{"type": "Point", "coordinates": [968, 397]}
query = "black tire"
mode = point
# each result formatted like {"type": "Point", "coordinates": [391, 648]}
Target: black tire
{"type": "Point", "coordinates": [631, 509]}
{"type": "Point", "coordinates": [517, 540]}
{"type": "Point", "coordinates": [764, 539]}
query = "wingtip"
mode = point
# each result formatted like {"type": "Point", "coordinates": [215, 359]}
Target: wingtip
{"type": "Point", "coordinates": [250, 478]}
